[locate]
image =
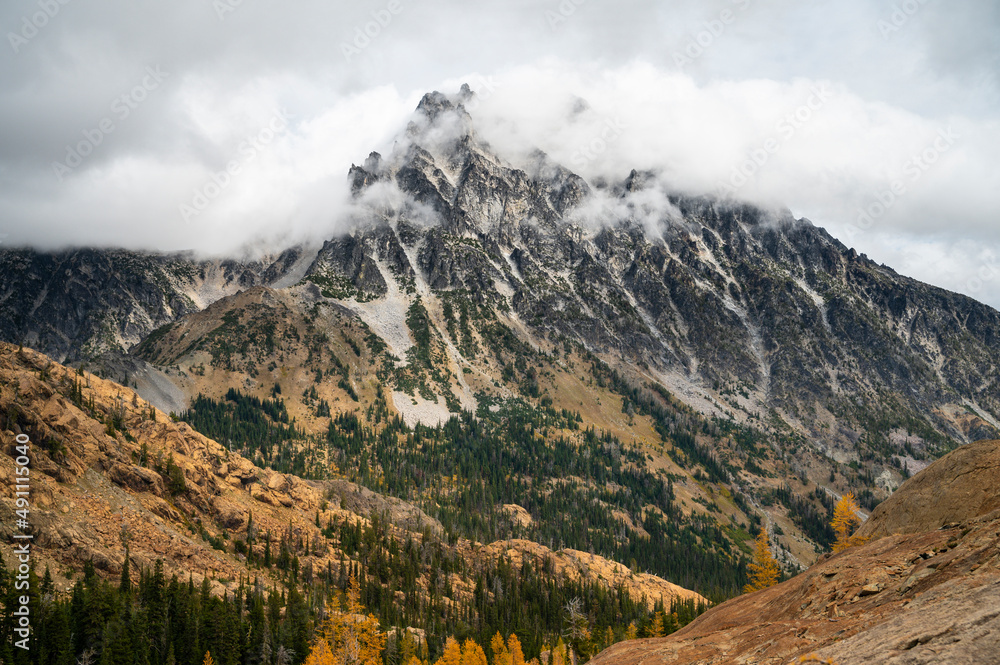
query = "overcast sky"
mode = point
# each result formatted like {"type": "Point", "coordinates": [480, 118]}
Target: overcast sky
{"type": "Point", "coordinates": [208, 124]}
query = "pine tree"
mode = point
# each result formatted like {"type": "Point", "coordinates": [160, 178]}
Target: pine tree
{"type": "Point", "coordinates": [845, 521]}
{"type": "Point", "coordinates": [125, 584]}
{"type": "Point", "coordinates": [764, 570]}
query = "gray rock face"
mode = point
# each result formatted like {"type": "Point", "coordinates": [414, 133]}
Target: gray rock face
{"type": "Point", "coordinates": [76, 305]}
{"type": "Point", "coordinates": [729, 296]}
{"type": "Point", "coordinates": [760, 314]}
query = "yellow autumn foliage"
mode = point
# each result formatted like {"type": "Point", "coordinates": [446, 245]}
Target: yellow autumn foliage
{"type": "Point", "coordinates": [348, 638]}
{"type": "Point", "coordinates": [845, 521]}
{"type": "Point", "coordinates": [764, 569]}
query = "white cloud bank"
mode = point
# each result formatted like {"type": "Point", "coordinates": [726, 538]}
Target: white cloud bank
{"type": "Point", "coordinates": [886, 136]}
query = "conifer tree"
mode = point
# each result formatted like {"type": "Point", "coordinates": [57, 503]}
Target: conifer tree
{"type": "Point", "coordinates": [320, 652]}
{"type": "Point", "coordinates": [609, 637]}
{"type": "Point", "coordinates": [764, 570]}
{"type": "Point", "coordinates": [845, 521]}
{"type": "Point", "coordinates": [407, 647]}
{"type": "Point", "coordinates": [499, 649]}
{"type": "Point", "coordinates": [452, 653]}
{"type": "Point", "coordinates": [472, 653]}
{"type": "Point", "coordinates": [125, 584]}
{"type": "Point", "coordinates": [350, 637]}
{"type": "Point", "coordinates": [658, 629]}
{"type": "Point", "coordinates": [514, 648]}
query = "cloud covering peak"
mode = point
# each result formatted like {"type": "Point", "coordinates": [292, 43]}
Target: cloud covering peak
{"type": "Point", "coordinates": [209, 125]}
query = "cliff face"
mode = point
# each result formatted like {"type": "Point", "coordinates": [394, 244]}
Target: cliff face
{"type": "Point", "coordinates": [919, 596]}
{"type": "Point", "coordinates": [723, 302]}
{"type": "Point", "coordinates": [78, 304]}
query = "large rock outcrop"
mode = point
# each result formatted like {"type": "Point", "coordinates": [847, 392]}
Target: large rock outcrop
{"type": "Point", "coordinates": [959, 487]}
{"type": "Point", "coordinates": [921, 595]}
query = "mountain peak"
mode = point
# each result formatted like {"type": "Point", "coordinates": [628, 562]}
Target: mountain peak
{"type": "Point", "coordinates": [441, 117]}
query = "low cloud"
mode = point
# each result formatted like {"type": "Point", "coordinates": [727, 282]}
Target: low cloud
{"type": "Point", "coordinates": [816, 106]}
{"type": "Point", "coordinates": [880, 178]}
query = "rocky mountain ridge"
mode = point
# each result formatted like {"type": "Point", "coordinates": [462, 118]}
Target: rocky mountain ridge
{"type": "Point", "coordinates": [467, 282]}
{"type": "Point", "coordinates": [742, 312]}
{"type": "Point", "coordinates": [75, 305]}
{"type": "Point", "coordinates": [710, 298]}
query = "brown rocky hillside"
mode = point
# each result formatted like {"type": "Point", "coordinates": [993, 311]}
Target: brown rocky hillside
{"type": "Point", "coordinates": [574, 565]}
{"type": "Point", "coordinates": [99, 477]}
{"type": "Point", "coordinates": [960, 487]}
{"type": "Point", "coordinates": [922, 595]}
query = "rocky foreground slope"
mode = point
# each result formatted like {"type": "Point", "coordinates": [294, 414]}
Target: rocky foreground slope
{"type": "Point", "coordinates": [926, 589]}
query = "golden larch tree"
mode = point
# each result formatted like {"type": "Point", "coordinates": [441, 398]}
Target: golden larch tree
{"type": "Point", "coordinates": [320, 653]}
{"type": "Point", "coordinates": [348, 638]}
{"type": "Point", "coordinates": [657, 629]}
{"type": "Point", "coordinates": [472, 653]}
{"type": "Point", "coordinates": [558, 653]}
{"type": "Point", "coordinates": [407, 647]}
{"type": "Point", "coordinates": [764, 569]}
{"type": "Point", "coordinates": [845, 521]}
{"type": "Point", "coordinates": [501, 656]}
{"type": "Point", "coordinates": [609, 638]}
{"type": "Point", "coordinates": [515, 651]}
{"type": "Point", "coordinates": [452, 653]}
